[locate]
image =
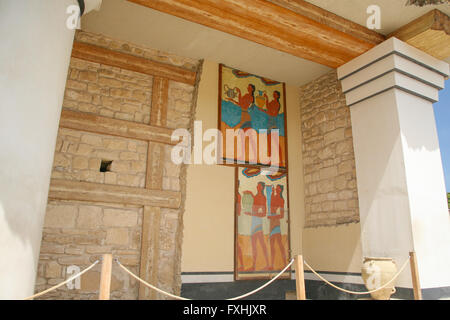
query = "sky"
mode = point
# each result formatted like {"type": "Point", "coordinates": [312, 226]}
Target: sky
{"type": "Point", "coordinates": [442, 115]}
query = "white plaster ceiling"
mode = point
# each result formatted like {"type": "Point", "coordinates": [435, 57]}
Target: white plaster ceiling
{"type": "Point", "coordinates": [127, 21]}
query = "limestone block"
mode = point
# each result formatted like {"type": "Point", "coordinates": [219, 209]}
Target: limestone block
{"type": "Point", "coordinates": [119, 218]}
{"type": "Point", "coordinates": [110, 178]}
{"type": "Point", "coordinates": [115, 144]}
{"type": "Point", "coordinates": [91, 139]}
{"type": "Point", "coordinates": [90, 76]}
{"type": "Point", "coordinates": [109, 82]}
{"type": "Point", "coordinates": [87, 107]}
{"type": "Point", "coordinates": [60, 216]}
{"type": "Point", "coordinates": [94, 164]}
{"type": "Point", "coordinates": [74, 251]}
{"type": "Point", "coordinates": [117, 236]}
{"type": "Point", "coordinates": [79, 260]}
{"type": "Point", "coordinates": [120, 166]}
{"type": "Point", "coordinates": [129, 156]}
{"type": "Point", "coordinates": [80, 163]}
{"type": "Point", "coordinates": [49, 248]}
{"type": "Point", "coordinates": [89, 217]}
{"type": "Point", "coordinates": [76, 85]}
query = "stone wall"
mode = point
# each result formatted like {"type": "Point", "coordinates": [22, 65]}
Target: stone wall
{"type": "Point", "coordinates": [76, 233]}
{"type": "Point", "coordinates": [78, 156]}
{"type": "Point", "coordinates": [108, 91]}
{"type": "Point", "coordinates": [331, 196]}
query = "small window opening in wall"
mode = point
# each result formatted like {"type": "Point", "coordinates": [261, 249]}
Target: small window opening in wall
{"type": "Point", "coordinates": [105, 166]}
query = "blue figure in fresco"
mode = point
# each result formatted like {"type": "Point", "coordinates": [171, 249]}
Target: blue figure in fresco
{"type": "Point", "coordinates": [259, 211]}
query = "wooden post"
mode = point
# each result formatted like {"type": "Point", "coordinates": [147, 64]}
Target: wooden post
{"type": "Point", "coordinates": [105, 279]}
{"type": "Point", "coordinates": [415, 276]}
{"type": "Point", "coordinates": [300, 278]}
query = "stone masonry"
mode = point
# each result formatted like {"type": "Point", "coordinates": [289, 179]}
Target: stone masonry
{"type": "Point", "coordinates": [78, 156]}
{"type": "Point", "coordinates": [76, 233]}
{"type": "Point", "coordinates": [108, 91]}
{"type": "Point", "coordinates": [331, 196]}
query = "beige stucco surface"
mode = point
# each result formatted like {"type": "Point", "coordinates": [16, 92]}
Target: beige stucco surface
{"type": "Point", "coordinates": [208, 236]}
{"type": "Point", "coordinates": [336, 248]}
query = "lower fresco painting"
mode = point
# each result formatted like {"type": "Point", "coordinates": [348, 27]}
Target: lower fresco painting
{"type": "Point", "coordinates": [262, 230]}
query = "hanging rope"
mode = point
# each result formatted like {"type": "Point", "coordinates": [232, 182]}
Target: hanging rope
{"type": "Point", "coordinates": [181, 298]}
{"type": "Point", "coordinates": [148, 284]}
{"type": "Point", "coordinates": [355, 292]}
{"type": "Point", "coordinates": [265, 285]}
{"type": "Point", "coordinates": [235, 298]}
{"type": "Point", "coordinates": [63, 283]}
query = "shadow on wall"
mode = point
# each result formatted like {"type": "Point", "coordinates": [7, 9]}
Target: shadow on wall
{"type": "Point", "coordinates": [379, 159]}
{"type": "Point", "coordinates": [18, 235]}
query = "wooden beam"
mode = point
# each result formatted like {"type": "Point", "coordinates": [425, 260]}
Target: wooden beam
{"type": "Point", "coordinates": [160, 99]}
{"type": "Point", "coordinates": [330, 19]}
{"type": "Point", "coordinates": [415, 276]}
{"type": "Point", "coordinates": [300, 278]}
{"type": "Point", "coordinates": [109, 57]}
{"type": "Point", "coordinates": [114, 127]}
{"type": "Point", "coordinates": [105, 278]}
{"type": "Point", "coordinates": [151, 222]}
{"type": "Point", "coordinates": [150, 251]}
{"type": "Point", "coordinates": [155, 166]}
{"type": "Point", "coordinates": [433, 20]}
{"type": "Point", "coordinates": [269, 24]}
{"type": "Point", "coordinates": [97, 192]}
{"type": "Point", "coordinates": [429, 33]}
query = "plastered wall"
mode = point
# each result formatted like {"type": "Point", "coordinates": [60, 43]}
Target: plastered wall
{"type": "Point", "coordinates": [208, 239]}
{"type": "Point", "coordinates": [208, 236]}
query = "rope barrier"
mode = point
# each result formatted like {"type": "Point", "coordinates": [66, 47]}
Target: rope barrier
{"type": "Point", "coordinates": [181, 298]}
{"type": "Point", "coordinates": [265, 285]}
{"type": "Point", "coordinates": [148, 284]}
{"type": "Point", "coordinates": [64, 282]}
{"type": "Point", "coordinates": [355, 292]}
{"type": "Point", "coordinates": [235, 298]}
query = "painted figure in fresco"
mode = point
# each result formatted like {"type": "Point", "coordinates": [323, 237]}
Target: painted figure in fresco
{"type": "Point", "coordinates": [253, 107]}
{"type": "Point", "coordinates": [245, 102]}
{"type": "Point", "coordinates": [259, 210]}
{"type": "Point", "coordinates": [238, 212]}
{"type": "Point", "coordinates": [276, 204]}
{"type": "Point", "coordinates": [272, 109]}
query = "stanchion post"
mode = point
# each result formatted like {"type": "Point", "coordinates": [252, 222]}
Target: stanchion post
{"type": "Point", "coordinates": [415, 276]}
{"type": "Point", "coordinates": [300, 278]}
{"type": "Point", "coordinates": [105, 279]}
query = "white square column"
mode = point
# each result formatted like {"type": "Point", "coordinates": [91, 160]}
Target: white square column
{"type": "Point", "coordinates": [402, 198]}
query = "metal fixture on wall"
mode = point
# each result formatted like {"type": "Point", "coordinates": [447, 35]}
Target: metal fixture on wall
{"type": "Point", "coordinates": [87, 6]}
{"type": "Point", "coordinates": [82, 6]}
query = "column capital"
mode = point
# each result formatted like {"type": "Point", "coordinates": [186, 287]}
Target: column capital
{"type": "Point", "coordinates": [392, 64]}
